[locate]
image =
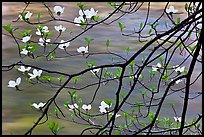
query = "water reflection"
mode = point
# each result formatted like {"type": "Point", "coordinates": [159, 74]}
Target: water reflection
{"type": "Point", "coordinates": [17, 115]}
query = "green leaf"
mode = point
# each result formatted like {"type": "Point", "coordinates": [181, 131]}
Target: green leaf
{"type": "Point", "coordinates": [186, 6]}
{"type": "Point", "coordinates": [155, 25]}
{"type": "Point", "coordinates": [143, 124]}
{"type": "Point", "coordinates": [116, 132]}
{"type": "Point", "coordinates": [178, 20]}
{"type": "Point", "coordinates": [76, 79]}
{"type": "Point", "coordinates": [109, 102]}
{"type": "Point", "coordinates": [39, 15]}
{"type": "Point", "coordinates": [107, 42]}
{"type": "Point", "coordinates": [121, 26]}
{"type": "Point", "coordinates": [132, 63]}
{"type": "Point", "coordinates": [192, 48]}
{"type": "Point", "coordinates": [91, 64]}
{"type": "Point", "coordinates": [150, 31]}
{"type": "Point", "coordinates": [47, 77]}
{"type": "Point", "coordinates": [81, 5]}
{"type": "Point", "coordinates": [165, 23]}
{"type": "Point", "coordinates": [127, 49]}
{"type": "Point", "coordinates": [97, 18]}
{"type": "Point", "coordinates": [88, 40]}
{"type": "Point", "coordinates": [141, 25]}
{"type": "Point", "coordinates": [52, 55]}
{"type": "Point", "coordinates": [153, 88]}
{"type": "Point", "coordinates": [61, 78]}
{"type": "Point", "coordinates": [8, 28]}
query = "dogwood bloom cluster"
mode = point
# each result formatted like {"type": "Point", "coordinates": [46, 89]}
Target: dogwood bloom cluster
{"type": "Point", "coordinates": [24, 51]}
{"type": "Point", "coordinates": [86, 107]}
{"type": "Point", "coordinates": [60, 28]}
{"type": "Point", "coordinates": [103, 107]}
{"type": "Point", "coordinates": [58, 10]}
{"type": "Point", "coordinates": [156, 68]}
{"type": "Point", "coordinates": [26, 38]}
{"type": "Point", "coordinates": [43, 42]}
{"type": "Point", "coordinates": [63, 46]}
{"type": "Point", "coordinates": [36, 73]}
{"type": "Point", "coordinates": [177, 119]}
{"type": "Point", "coordinates": [38, 106]}
{"type": "Point", "coordinates": [83, 50]}
{"type": "Point", "coordinates": [24, 69]}
{"type": "Point", "coordinates": [180, 69]}
{"type": "Point", "coordinates": [171, 10]}
{"type": "Point", "coordinates": [27, 15]}
{"type": "Point", "coordinates": [13, 84]}
{"type": "Point", "coordinates": [42, 31]}
{"type": "Point", "coordinates": [95, 71]}
{"type": "Point", "coordinates": [84, 14]}
{"type": "Point", "coordinates": [72, 107]}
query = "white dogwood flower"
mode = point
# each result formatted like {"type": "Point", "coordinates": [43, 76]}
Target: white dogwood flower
{"type": "Point", "coordinates": [171, 10]}
{"type": "Point", "coordinates": [12, 83]}
{"type": "Point", "coordinates": [157, 67]}
{"type": "Point", "coordinates": [180, 69]}
{"type": "Point", "coordinates": [43, 42]}
{"type": "Point", "coordinates": [28, 15]}
{"type": "Point", "coordinates": [44, 30]}
{"type": "Point", "coordinates": [177, 119]}
{"type": "Point", "coordinates": [79, 20]}
{"type": "Point", "coordinates": [38, 106]}
{"type": "Point", "coordinates": [86, 107]}
{"type": "Point", "coordinates": [23, 69]}
{"type": "Point", "coordinates": [58, 10]}
{"type": "Point", "coordinates": [72, 107]}
{"type": "Point", "coordinates": [63, 46]}
{"type": "Point", "coordinates": [36, 73]}
{"type": "Point", "coordinates": [90, 13]}
{"type": "Point", "coordinates": [83, 50]}
{"type": "Point", "coordinates": [60, 28]}
{"type": "Point", "coordinates": [178, 81]}
{"type": "Point", "coordinates": [24, 51]}
{"type": "Point", "coordinates": [103, 107]}
{"type": "Point", "coordinates": [26, 39]}
{"type": "Point", "coordinates": [94, 71]}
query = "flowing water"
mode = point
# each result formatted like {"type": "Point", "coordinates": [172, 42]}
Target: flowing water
{"type": "Point", "coordinates": [18, 116]}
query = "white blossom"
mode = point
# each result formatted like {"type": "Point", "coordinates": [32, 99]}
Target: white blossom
{"type": "Point", "coordinates": [23, 69]}
{"type": "Point", "coordinates": [36, 73]}
{"type": "Point", "coordinates": [155, 68]}
{"type": "Point", "coordinates": [90, 13]}
{"type": "Point", "coordinates": [103, 106]}
{"type": "Point", "coordinates": [79, 20]}
{"type": "Point", "coordinates": [43, 42]}
{"type": "Point", "coordinates": [63, 46]}
{"type": "Point", "coordinates": [28, 15]}
{"type": "Point", "coordinates": [94, 71]}
{"type": "Point", "coordinates": [72, 107]}
{"type": "Point", "coordinates": [60, 28]}
{"type": "Point", "coordinates": [24, 51]}
{"type": "Point", "coordinates": [177, 119]}
{"type": "Point", "coordinates": [86, 107]}
{"type": "Point", "coordinates": [178, 81]}
{"type": "Point", "coordinates": [12, 83]}
{"type": "Point", "coordinates": [83, 50]}
{"type": "Point", "coordinates": [26, 39]}
{"type": "Point", "coordinates": [44, 30]}
{"type": "Point", "coordinates": [58, 10]}
{"type": "Point", "coordinates": [38, 106]}
{"type": "Point", "coordinates": [180, 69]}
{"type": "Point", "coordinates": [171, 10]}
